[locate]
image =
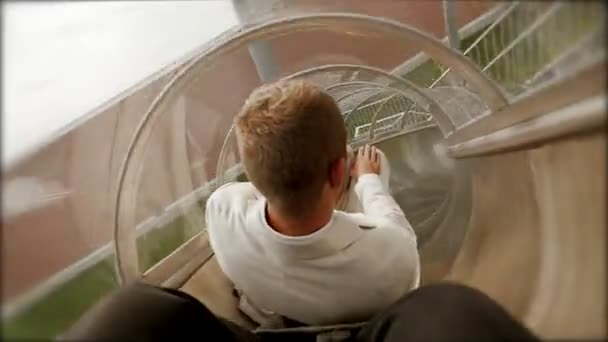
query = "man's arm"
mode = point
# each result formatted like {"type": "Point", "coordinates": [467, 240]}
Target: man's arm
{"type": "Point", "coordinates": [374, 196]}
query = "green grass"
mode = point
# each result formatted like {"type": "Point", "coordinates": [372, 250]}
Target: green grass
{"type": "Point", "coordinates": [424, 75]}
{"type": "Point", "coordinates": [63, 306]}
{"type": "Point", "coordinates": [561, 31]}
{"type": "Point", "coordinates": [159, 243]}
{"type": "Point", "coordinates": [58, 310]}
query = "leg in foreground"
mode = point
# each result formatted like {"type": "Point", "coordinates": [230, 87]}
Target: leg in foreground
{"type": "Point", "coordinates": [141, 312]}
{"type": "Point", "coordinates": [445, 312]}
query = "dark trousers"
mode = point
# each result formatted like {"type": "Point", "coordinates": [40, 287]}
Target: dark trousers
{"type": "Point", "coordinates": [440, 312]}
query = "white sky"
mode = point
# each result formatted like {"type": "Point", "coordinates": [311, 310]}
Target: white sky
{"type": "Point", "coordinates": [62, 59]}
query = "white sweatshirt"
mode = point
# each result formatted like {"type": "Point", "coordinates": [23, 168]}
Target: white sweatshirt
{"type": "Point", "coordinates": [353, 267]}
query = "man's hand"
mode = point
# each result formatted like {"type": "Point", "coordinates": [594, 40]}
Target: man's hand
{"type": "Point", "coordinates": [366, 161]}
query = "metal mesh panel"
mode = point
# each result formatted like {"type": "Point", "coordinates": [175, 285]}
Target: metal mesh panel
{"type": "Point", "coordinates": [377, 115]}
{"type": "Point", "coordinates": [527, 42]}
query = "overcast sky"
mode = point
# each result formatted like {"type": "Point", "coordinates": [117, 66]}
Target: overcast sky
{"type": "Point", "coordinates": [62, 59]}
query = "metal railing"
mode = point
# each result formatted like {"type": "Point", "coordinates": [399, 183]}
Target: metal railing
{"type": "Point", "coordinates": [393, 113]}
{"type": "Point", "coordinates": [527, 37]}
{"type": "Point", "coordinates": [526, 45]}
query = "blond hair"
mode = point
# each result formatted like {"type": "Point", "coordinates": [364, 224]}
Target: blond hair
{"type": "Point", "coordinates": [289, 133]}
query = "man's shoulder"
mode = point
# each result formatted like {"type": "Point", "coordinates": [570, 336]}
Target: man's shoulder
{"type": "Point", "coordinates": [232, 196]}
{"type": "Point", "coordinates": [232, 189]}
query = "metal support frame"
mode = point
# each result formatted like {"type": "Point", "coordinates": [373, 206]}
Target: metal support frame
{"type": "Point", "coordinates": [451, 23]}
{"type": "Point", "coordinates": [260, 51]}
{"type": "Point", "coordinates": [375, 116]}
{"type": "Point", "coordinates": [348, 115]}
{"type": "Point", "coordinates": [466, 31]}
{"type": "Point", "coordinates": [537, 23]}
{"type": "Point", "coordinates": [403, 86]}
{"type": "Point", "coordinates": [503, 14]}
{"type": "Point", "coordinates": [353, 93]}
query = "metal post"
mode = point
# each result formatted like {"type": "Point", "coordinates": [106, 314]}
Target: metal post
{"type": "Point", "coordinates": [451, 23]}
{"type": "Point", "coordinates": [260, 51]}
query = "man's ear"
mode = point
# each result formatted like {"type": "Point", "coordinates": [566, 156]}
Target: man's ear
{"type": "Point", "coordinates": [337, 172]}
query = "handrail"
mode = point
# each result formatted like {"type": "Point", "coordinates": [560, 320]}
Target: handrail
{"type": "Point", "coordinates": [586, 115]}
{"type": "Point", "coordinates": [587, 82]}
{"type": "Point", "coordinates": [538, 22]}
{"type": "Point", "coordinates": [497, 21]}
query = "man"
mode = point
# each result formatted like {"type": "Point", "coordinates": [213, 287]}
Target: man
{"type": "Point", "coordinates": [280, 239]}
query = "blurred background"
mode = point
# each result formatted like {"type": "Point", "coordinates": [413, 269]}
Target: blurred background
{"type": "Point", "coordinates": [117, 126]}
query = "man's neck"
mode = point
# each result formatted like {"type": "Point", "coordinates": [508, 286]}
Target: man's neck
{"type": "Point", "coordinates": [301, 226]}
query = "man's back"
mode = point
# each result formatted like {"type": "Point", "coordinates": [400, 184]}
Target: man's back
{"type": "Point", "coordinates": [346, 271]}
{"type": "Point", "coordinates": [280, 240]}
